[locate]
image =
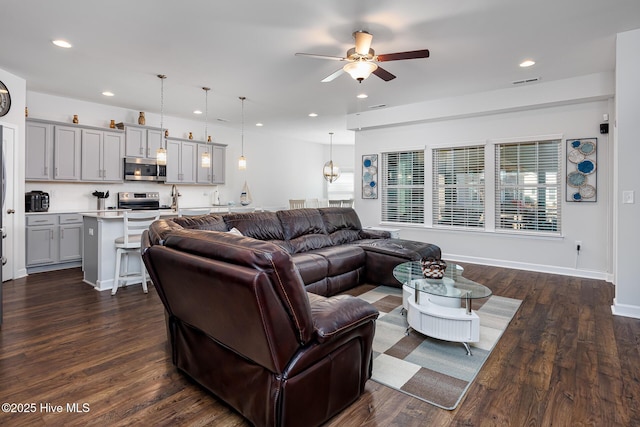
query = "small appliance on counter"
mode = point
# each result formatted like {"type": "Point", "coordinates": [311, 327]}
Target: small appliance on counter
{"type": "Point", "coordinates": [36, 201]}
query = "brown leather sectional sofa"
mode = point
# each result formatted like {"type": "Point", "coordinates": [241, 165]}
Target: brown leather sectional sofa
{"type": "Point", "coordinates": [252, 318]}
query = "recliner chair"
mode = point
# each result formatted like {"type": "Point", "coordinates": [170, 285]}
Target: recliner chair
{"type": "Point", "coordinates": [241, 325]}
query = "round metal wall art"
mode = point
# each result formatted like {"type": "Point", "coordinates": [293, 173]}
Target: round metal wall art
{"type": "Point", "coordinates": [581, 170]}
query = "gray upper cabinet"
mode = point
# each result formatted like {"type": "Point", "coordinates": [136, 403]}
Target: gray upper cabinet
{"type": "Point", "coordinates": [141, 141]}
{"type": "Point", "coordinates": [102, 155]}
{"type": "Point", "coordinates": [181, 161]}
{"type": "Point", "coordinates": [66, 153]}
{"type": "Point", "coordinates": [39, 150]}
{"type": "Point", "coordinates": [214, 174]}
{"type": "Point", "coordinates": [218, 164]}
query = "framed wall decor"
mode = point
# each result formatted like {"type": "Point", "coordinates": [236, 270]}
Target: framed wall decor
{"type": "Point", "coordinates": [582, 170]}
{"type": "Point", "coordinates": [370, 176]}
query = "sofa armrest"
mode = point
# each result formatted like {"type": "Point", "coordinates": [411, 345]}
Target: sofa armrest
{"type": "Point", "coordinates": [374, 234]}
{"type": "Point", "coordinates": [336, 315]}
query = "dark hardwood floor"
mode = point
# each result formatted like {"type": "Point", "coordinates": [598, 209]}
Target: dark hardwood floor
{"type": "Point", "coordinates": [563, 361]}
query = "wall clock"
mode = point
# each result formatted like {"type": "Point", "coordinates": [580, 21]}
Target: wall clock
{"type": "Point", "coordinates": [5, 100]}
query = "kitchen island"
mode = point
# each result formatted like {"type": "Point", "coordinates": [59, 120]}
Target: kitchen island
{"type": "Point", "coordinates": [100, 229]}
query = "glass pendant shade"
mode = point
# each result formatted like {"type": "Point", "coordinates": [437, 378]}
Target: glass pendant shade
{"type": "Point", "coordinates": [161, 156]}
{"type": "Point", "coordinates": [360, 70]}
{"type": "Point", "coordinates": [242, 163]}
{"type": "Point", "coordinates": [330, 171]}
{"type": "Point", "coordinates": [205, 160]}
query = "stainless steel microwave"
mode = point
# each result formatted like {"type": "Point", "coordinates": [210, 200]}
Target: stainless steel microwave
{"type": "Point", "coordinates": [138, 169]}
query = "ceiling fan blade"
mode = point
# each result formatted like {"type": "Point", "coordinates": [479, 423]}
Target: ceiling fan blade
{"type": "Point", "coordinates": [313, 55]}
{"type": "Point", "coordinates": [333, 76]}
{"type": "Point", "coordinates": [412, 54]}
{"type": "Point", "coordinates": [383, 74]}
{"type": "Point", "coordinates": [363, 42]}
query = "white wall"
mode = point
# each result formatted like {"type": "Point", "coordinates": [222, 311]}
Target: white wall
{"type": "Point", "coordinates": [627, 175]}
{"type": "Point", "coordinates": [278, 169]}
{"type": "Point", "coordinates": [587, 222]}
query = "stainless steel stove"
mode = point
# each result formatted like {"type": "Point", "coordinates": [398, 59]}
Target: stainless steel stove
{"type": "Point", "coordinates": [139, 201]}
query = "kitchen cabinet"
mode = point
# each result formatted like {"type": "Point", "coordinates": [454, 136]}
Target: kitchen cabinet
{"type": "Point", "coordinates": [141, 141]}
{"type": "Point", "coordinates": [181, 161]}
{"type": "Point", "coordinates": [218, 161]}
{"type": "Point", "coordinates": [38, 151]}
{"type": "Point", "coordinates": [102, 153]}
{"type": "Point", "coordinates": [53, 240]}
{"type": "Point", "coordinates": [66, 153]}
{"type": "Point", "coordinates": [213, 174]}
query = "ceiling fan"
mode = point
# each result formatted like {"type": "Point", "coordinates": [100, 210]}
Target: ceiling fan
{"type": "Point", "coordinates": [362, 60]}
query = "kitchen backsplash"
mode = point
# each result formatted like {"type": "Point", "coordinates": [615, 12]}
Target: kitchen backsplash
{"type": "Point", "coordinates": [78, 196]}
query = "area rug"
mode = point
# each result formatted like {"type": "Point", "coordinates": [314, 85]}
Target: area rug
{"type": "Point", "coordinates": [438, 372]}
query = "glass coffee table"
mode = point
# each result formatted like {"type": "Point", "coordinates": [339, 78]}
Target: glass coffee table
{"type": "Point", "coordinates": [433, 306]}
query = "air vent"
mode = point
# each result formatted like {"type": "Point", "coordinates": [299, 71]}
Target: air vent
{"type": "Point", "coordinates": [531, 80]}
{"type": "Point", "coordinates": [378, 106]}
{"type": "Point", "coordinates": [220, 119]}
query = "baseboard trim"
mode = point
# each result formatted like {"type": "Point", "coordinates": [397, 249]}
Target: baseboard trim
{"type": "Point", "coordinates": [625, 310]}
{"type": "Point", "coordinates": [587, 274]}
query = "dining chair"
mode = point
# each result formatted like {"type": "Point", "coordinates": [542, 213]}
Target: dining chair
{"type": "Point", "coordinates": [296, 203]}
{"type": "Point", "coordinates": [335, 203]}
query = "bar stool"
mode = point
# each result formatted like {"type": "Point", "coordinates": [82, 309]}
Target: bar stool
{"type": "Point", "coordinates": [134, 224]}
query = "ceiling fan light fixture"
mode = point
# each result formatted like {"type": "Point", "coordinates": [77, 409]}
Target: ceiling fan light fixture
{"type": "Point", "coordinates": [360, 70]}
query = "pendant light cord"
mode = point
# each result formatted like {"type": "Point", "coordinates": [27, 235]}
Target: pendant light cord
{"type": "Point", "coordinates": [242, 98]}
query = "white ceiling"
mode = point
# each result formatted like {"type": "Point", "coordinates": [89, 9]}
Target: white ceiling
{"type": "Point", "coordinates": [247, 47]}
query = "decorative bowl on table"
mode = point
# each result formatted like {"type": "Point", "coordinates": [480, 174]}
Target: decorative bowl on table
{"type": "Point", "coordinates": [433, 268]}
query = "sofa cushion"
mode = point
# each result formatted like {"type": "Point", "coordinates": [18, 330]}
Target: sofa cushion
{"type": "Point", "coordinates": [202, 222]}
{"type": "Point", "coordinates": [259, 225]}
{"type": "Point", "coordinates": [340, 219]}
{"type": "Point", "coordinates": [312, 267]}
{"type": "Point", "coordinates": [304, 229]}
{"type": "Point", "coordinates": [341, 259]}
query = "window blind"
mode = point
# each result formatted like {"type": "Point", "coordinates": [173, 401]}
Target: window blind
{"type": "Point", "coordinates": [458, 187]}
{"type": "Point", "coordinates": [403, 187]}
{"type": "Point", "coordinates": [528, 186]}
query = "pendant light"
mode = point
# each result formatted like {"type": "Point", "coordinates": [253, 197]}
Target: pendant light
{"type": "Point", "coordinates": [242, 161]}
{"type": "Point", "coordinates": [161, 153]}
{"type": "Point", "coordinates": [331, 172]}
{"type": "Point", "coordinates": [205, 160]}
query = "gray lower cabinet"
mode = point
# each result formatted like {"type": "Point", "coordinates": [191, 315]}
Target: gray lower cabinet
{"type": "Point", "coordinates": [53, 239]}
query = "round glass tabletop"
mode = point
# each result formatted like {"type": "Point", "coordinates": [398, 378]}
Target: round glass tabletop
{"type": "Point", "coordinates": [452, 285]}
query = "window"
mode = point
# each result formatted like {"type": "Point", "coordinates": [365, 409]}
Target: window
{"type": "Point", "coordinates": [458, 187]}
{"type": "Point", "coordinates": [342, 188]}
{"type": "Point", "coordinates": [403, 187]}
{"type": "Point", "coordinates": [528, 186]}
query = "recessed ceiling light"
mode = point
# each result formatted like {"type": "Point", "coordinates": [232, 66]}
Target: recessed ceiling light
{"type": "Point", "coordinates": [259, 124]}
{"type": "Point", "coordinates": [197, 112]}
{"type": "Point", "coordinates": [527, 63]}
{"type": "Point", "coordinates": [107, 93]}
{"type": "Point", "coordinates": [363, 96]}
{"type": "Point", "coordinates": [313, 115]}
{"type": "Point", "coordinates": [62, 43]}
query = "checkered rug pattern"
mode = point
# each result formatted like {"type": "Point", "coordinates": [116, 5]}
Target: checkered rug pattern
{"type": "Point", "coordinates": [438, 372]}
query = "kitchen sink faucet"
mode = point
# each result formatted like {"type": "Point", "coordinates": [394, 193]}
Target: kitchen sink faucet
{"type": "Point", "coordinates": [174, 198]}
